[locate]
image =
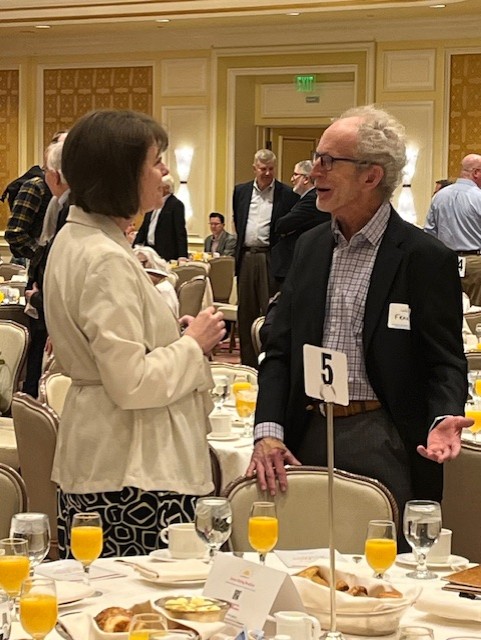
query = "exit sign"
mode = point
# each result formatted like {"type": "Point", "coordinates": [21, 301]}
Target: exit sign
{"type": "Point", "coordinates": [305, 83]}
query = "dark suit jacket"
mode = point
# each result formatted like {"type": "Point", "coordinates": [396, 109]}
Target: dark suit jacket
{"type": "Point", "coordinates": [226, 246]}
{"type": "Point", "coordinates": [170, 232]}
{"type": "Point", "coordinates": [303, 216]}
{"type": "Point", "coordinates": [417, 374]}
{"type": "Point", "coordinates": [284, 200]}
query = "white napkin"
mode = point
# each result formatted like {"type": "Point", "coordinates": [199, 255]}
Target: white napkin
{"type": "Point", "coordinates": [72, 591]}
{"type": "Point", "coordinates": [449, 605]}
{"type": "Point", "coordinates": [317, 597]}
{"type": "Point", "coordinates": [183, 570]}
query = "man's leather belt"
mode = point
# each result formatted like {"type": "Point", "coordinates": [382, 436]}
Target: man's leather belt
{"type": "Point", "coordinates": [353, 408]}
{"type": "Point", "coordinates": [474, 252]}
{"type": "Point", "coordinates": [256, 249]}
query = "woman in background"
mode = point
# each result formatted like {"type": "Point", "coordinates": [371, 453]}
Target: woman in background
{"type": "Point", "coordinates": [131, 442]}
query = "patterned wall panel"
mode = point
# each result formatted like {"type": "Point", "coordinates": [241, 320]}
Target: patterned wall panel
{"type": "Point", "coordinates": [69, 93]}
{"type": "Point", "coordinates": [9, 114]}
{"type": "Point", "coordinates": [464, 109]}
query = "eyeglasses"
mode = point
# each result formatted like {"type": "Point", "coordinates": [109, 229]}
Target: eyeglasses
{"type": "Point", "coordinates": [326, 160]}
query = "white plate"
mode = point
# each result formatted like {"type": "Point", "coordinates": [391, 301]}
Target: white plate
{"type": "Point", "coordinates": [173, 583]}
{"type": "Point", "coordinates": [407, 560]}
{"type": "Point", "coordinates": [70, 592]}
{"type": "Point", "coordinates": [164, 556]}
{"type": "Point", "coordinates": [226, 437]}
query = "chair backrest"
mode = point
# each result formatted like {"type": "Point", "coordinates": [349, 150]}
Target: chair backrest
{"type": "Point", "coordinates": [472, 318]}
{"type": "Point", "coordinates": [36, 427]}
{"type": "Point", "coordinates": [221, 276]}
{"type": "Point", "coordinates": [462, 475]}
{"type": "Point", "coordinates": [14, 497]}
{"type": "Point", "coordinates": [474, 360]}
{"type": "Point", "coordinates": [216, 470]}
{"type": "Point", "coordinates": [191, 294]}
{"type": "Point", "coordinates": [7, 270]}
{"type": "Point", "coordinates": [187, 272]}
{"type": "Point", "coordinates": [14, 339]}
{"type": "Point", "coordinates": [303, 509]}
{"type": "Point", "coordinates": [255, 334]}
{"type": "Point", "coordinates": [53, 389]}
{"type": "Point", "coordinates": [15, 313]}
{"type": "Point", "coordinates": [232, 370]}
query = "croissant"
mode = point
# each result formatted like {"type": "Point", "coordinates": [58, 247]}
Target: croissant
{"type": "Point", "coordinates": [113, 619]}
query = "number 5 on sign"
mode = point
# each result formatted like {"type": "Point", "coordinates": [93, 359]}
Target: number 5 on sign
{"type": "Point", "coordinates": [325, 374]}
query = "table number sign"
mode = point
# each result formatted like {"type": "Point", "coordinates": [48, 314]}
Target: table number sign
{"type": "Point", "coordinates": [253, 590]}
{"type": "Point", "coordinates": [325, 374]}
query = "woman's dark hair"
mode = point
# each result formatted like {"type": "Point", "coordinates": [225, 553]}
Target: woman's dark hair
{"type": "Point", "coordinates": [102, 159]}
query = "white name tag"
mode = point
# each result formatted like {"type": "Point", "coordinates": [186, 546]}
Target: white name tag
{"type": "Point", "coordinates": [462, 267]}
{"type": "Point", "coordinates": [399, 316]}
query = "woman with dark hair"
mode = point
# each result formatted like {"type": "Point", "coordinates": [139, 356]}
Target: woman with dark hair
{"type": "Point", "coordinates": [131, 443]}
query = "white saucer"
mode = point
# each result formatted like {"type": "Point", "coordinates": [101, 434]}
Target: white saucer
{"type": "Point", "coordinates": [407, 560]}
{"type": "Point", "coordinates": [223, 437]}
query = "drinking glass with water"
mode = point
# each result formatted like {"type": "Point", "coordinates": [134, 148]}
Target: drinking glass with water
{"type": "Point", "coordinates": [422, 526]}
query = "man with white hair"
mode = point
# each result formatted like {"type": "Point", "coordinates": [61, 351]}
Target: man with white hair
{"type": "Point", "coordinates": [387, 295]}
{"type": "Point", "coordinates": [164, 228]}
{"type": "Point", "coordinates": [454, 217]}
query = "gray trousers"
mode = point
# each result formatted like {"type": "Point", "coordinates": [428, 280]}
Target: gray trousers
{"type": "Point", "coordinates": [368, 444]}
{"type": "Point", "coordinates": [471, 282]}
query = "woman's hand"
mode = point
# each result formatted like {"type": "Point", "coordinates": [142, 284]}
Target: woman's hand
{"type": "Point", "coordinates": [207, 328]}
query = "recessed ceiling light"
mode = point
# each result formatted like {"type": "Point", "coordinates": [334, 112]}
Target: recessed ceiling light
{"type": "Point", "coordinates": [163, 20]}
{"type": "Point", "coordinates": [437, 6]}
{"type": "Point", "coordinates": [294, 13]}
{"type": "Point", "coordinates": [42, 26]}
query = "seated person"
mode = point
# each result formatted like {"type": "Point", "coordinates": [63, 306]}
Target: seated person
{"type": "Point", "coordinates": [160, 274]}
{"type": "Point", "coordinates": [220, 242]}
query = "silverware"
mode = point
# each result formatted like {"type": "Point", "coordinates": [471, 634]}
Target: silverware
{"type": "Point", "coordinates": [147, 573]}
{"type": "Point", "coordinates": [62, 630]}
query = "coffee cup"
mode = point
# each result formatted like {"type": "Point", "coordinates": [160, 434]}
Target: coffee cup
{"type": "Point", "coordinates": [441, 549]}
{"type": "Point", "coordinates": [297, 625]}
{"type": "Point", "coordinates": [220, 423]}
{"type": "Point", "coordinates": [183, 540]}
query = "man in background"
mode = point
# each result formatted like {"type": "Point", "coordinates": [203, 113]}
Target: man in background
{"type": "Point", "coordinates": [220, 241]}
{"type": "Point", "coordinates": [454, 217]}
{"type": "Point", "coordinates": [164, 229]}
{"type": "Point", "coordinates": [257, 205]}
{"type": "Point", "coordinates": [303, 216]}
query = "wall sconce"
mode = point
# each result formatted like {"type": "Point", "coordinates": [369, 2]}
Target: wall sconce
{"type": "Point", "coordinates": [183, 158]}
{"type": "Point", "coordinates": [405, 204]}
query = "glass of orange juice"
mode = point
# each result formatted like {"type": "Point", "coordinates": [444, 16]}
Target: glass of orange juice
{"type": "Point", "coordinates": [473, 411]}
{"type": "Point", "coordinates": [263, 530]}
{"type": "Point", "coordinates": [14, 567]}
{"type": "Point", "coordinates": [38, 606]}
{"type": "Point", "coordinates": [380, 548]}
{"type": "Point", "coordinates": [144, 625]}
{"type": "Point", "coordinates": [86, 540]}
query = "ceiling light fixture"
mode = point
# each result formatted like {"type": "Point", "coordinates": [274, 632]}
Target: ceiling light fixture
{"type": "Point", "coordinates": [42, 26]}
{"type": "Point", "coordinates": [163, 20]}
{"type": "Point", "coordinates": [437, 6]}
{"type": "Point", "coordinates": [294, 13]}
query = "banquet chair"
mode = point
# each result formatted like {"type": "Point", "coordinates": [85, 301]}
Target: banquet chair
{"type": "Point", "coordinates": [255, 334]}
{"type": "Point", "coordinates": [462, 474]}
{"type": "Point", "coordinates": [474, 360]}
{"type": "Point", "coordinates": [302, 509]}
{"type": "Point", "coordinates": [14, 340]}
{"type": "Point", "coordinates": [8, 269]}
{"type": "Point", "coordinates": [187, 272]}
{"type": "Point", "coordinates": [472, 318]}
{"type": "Point", "coordinates": [15, 313]}
{"type": "Point", "coordinates": [232, 370]}
{"type": "Point", "coordinates": [191, 294]}
{"type": "Point", "coordinates": [221, 276]}
{"type": "Point", "coordinates": [216, 470]}
{"type": "Point", "coordinates": [14, 497]}
{"type": "Point", "coordinates": [230, 314]}
{"type": "Point", "coordinates": [36, 427]}
{"type": "Point", "coordinates": [53, 389]}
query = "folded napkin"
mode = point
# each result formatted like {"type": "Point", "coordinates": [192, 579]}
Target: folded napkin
{"type": "Point", "coordinates": [183, 570]}
{"type": "Point", "coordinates": [72, 591]}
{"type": "Point", "coordinates": [449, 605]}
{"type": "Point", "coordinates": [316, 597]}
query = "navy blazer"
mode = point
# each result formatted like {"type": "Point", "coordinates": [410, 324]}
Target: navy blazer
{"type": "Point", "coordinates": [284, 200]}
{"type": "Point", "coordinates": [170, 231]}
{"type": "Point", "coordinates": [417, 374]}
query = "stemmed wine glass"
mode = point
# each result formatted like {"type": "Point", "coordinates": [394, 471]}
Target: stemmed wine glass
{"type": "Point", "coordinates": [213, 522]}
{"type": "Point", "coordinates": [5, 616]}
{"type": "Point", "coordinates": [263, 531]}
{"type": "Point", "coordinates": [35, 529]}
{"type": "Point", "coordinates": [219, 391]}
{"type": "Point", "coordinates": [38, 606]}
{"type": "Point", "coordinates": [86, 540]}
{"type": "Point", "coordinates": [245, 404]}
{"type": "Point", "coordinates": [380, 548]}
{"type": "Point", "coordinates": [14, 567]}
{"type": "Point", "coordinates": [422, 526]}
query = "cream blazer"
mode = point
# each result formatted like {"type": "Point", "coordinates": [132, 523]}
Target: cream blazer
{"type": "Point", "coordinates": [136, 413]}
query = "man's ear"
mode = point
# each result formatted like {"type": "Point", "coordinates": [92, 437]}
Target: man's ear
{"type": "Point", "coordinates": [58, 178]}
{"type": "Point", "coordinates": [374, 175]}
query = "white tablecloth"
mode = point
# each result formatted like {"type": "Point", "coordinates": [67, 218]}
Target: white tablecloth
{"type": "Point", "coordinates": [128, 590]}
{"type": "Point", "coordinates": [234, 456]}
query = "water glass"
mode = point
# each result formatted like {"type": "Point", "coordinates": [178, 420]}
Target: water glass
{"type": "Point", "coordinates": [219, 391]}
{"type": "Point", "coordinates": [213, 523]}
{"type": "Point", "coordinates": [422, 526]}
{"type": "Point", "coordinates": [415, 633]}
{"type": "Point", "coordinates": [35, 529]}
{"type": "Point", "coordinates": [144, 625]}
{"type": "Point", "coordinates": [5, 620]}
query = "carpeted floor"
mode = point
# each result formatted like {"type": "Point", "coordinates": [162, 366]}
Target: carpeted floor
{"type": "Point", "coordinates": [222, 354]}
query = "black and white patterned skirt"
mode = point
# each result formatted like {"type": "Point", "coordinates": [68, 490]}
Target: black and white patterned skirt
{"type": "Point", "coordinates": [132, 519]}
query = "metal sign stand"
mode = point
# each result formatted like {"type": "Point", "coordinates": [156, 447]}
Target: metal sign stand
{"type": "Point", "coordinates": [332, 634]}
